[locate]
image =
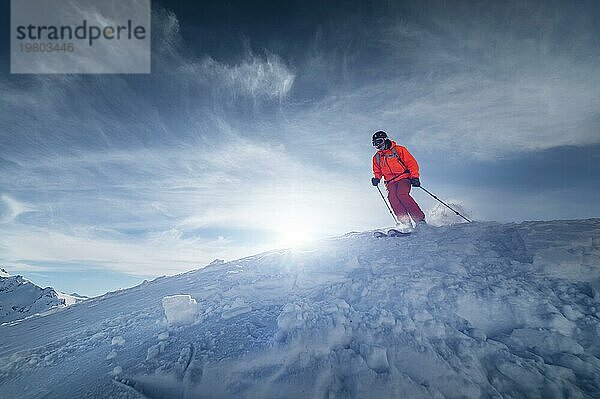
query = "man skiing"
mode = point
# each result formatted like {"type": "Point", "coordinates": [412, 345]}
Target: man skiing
{"type": "Point", "coordinates": [400, 171]}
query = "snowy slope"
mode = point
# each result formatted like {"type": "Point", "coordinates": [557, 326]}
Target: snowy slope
{"type": "Point", "coordinates": [20, 298]}
{"type": "Point", "coordinates": [478, 310]}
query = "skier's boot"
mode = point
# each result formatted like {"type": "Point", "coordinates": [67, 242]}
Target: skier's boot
{"type": "Point", "coordinates": [404, 224]}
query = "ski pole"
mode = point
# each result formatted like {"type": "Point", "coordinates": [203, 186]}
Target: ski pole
{"type": "Point", "coordinates": [386, 204]}
{"type": "Point", "coordinates": [443, 203]}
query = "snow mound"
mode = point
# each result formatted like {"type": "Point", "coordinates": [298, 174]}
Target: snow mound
{"type": "Point", "coordinates": [4, 273]}
{"type": "Point", "coordinates": [180, 309]}
{"type": "Point", "coordinates": [440, 215]}
{"type": "Point", "coordinates": [71, 299]}
{"type": "Point", "coordinates": [473, 310]}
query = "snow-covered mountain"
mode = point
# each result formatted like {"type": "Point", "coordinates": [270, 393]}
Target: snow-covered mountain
{"type": "Point", "coordinates": [471, 310]}
{"type": "Point", "coordinates": [20, 298]}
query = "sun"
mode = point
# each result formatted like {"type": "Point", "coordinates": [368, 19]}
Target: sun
{"type": "Point", "coordinates": [298, 222]}
{"type": "Point", "coordinates": [295, 234]}
{"type": "Point", "coordinates": [295, 229]}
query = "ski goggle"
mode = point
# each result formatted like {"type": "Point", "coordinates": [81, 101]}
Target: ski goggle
{"type": "Point", "coordinates": [379, 143]}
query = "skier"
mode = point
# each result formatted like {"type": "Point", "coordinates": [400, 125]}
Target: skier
{"type": "Point", "coordinates": [400, 171]}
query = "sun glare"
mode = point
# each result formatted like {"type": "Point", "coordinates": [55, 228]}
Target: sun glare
{"type": "Point", "coordinates": [294, 235]}
{"type": "Point", "coordinates": [299, 221]}
{"type": "Point", "coordinates": [295, 231]}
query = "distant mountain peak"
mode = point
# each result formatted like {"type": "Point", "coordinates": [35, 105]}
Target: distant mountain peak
{"type": "Point", "coordinates": [20, 298]}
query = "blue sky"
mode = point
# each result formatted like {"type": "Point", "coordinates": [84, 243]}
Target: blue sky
{"type": "Point", "coordinates": [257, 116]}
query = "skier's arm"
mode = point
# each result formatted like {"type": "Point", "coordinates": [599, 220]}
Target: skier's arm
{"type": "Point", "coordinates": [410, 162]}
{"type": "Point", "coordinates": [376, 169]}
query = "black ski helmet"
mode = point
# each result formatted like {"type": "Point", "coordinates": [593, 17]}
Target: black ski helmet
{"type": "Point", "coordinates": [378, 138]}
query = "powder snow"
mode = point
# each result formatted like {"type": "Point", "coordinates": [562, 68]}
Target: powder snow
{"type": "Point", "coordinates": [480, 310]}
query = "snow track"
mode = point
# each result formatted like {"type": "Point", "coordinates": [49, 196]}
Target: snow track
{"type": "Point", "coordinates": [478, 310]}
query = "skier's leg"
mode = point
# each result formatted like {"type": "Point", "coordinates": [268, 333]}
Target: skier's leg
{"type": "Point", "coordinates": [408, 202]}
{"type": "Point", "coordinates": [396, 203]}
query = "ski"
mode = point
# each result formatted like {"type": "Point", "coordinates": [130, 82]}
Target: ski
{"type": "Point", "coordinates": [390, 233]}
{"type": "Point", "coordinates": [397, 233]}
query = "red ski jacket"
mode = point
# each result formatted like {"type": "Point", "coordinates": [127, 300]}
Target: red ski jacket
{"type": "Point", "coordinates": [395, 163]}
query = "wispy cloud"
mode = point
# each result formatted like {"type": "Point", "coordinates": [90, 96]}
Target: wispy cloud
{"type": "Point", "coordinates": [255, 76]}
{"type": "Point", "coordinates": [152, 212]}
{"type": "Point", "coordinates": [26, 249]}
{"type": "Point", "coordinates": [470, 82]}
{"type": "Point", "coordinates": [12, 208]}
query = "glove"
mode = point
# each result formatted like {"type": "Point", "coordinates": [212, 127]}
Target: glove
{"type": "Point", "coordinates": [375, 181]}
{"type": "Point", "coordinates": [415, 182]}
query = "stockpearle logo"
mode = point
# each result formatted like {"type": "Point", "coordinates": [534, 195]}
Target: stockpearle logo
{"type": "Point", "coordinates": [80, 36]}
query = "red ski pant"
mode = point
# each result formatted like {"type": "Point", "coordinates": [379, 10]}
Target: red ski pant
{"type": "Point", "coordinates": [401, 201]}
